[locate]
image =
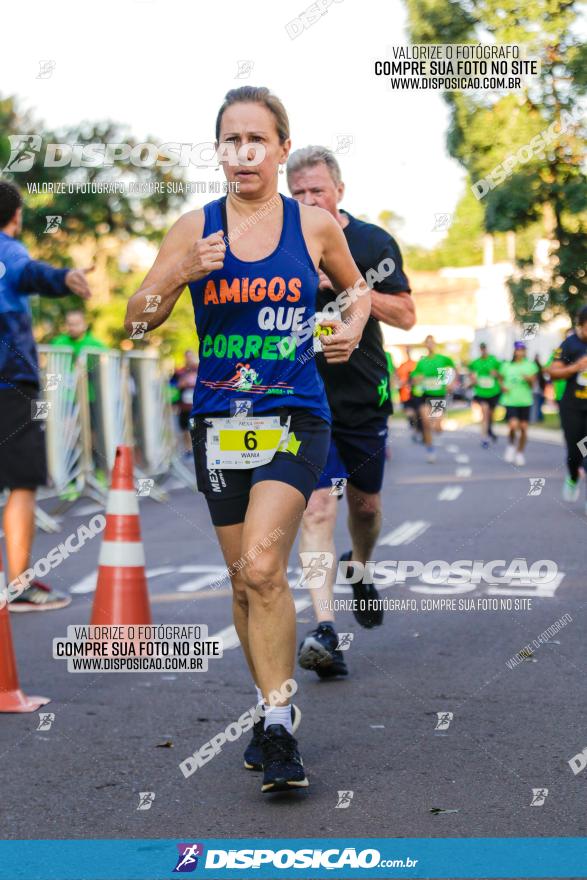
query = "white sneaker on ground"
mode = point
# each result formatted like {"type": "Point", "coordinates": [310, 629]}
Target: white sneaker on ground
{"type": "Point", "coordinates": [519, 459]}
{"type": "Point", "coordinates": [509, 454]}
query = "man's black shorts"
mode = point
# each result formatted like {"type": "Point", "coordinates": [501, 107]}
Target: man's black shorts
{"type": "Point", "coordinates": [227, 491]}
{"type": "Point", "coordinates": [492, 401]}
{"type": "Point", "coordinates": [359, 455]}
{"type": "Point", "coordinates": [23, 463]}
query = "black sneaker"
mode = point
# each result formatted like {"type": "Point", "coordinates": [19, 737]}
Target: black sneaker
{"type": "Point", "coordinates": [254, 752]}
{"type": "Point", "coordinates": [318, 652]}
{"type": "Point", "coordinates": [365, 594]}
{"type": "Point", "coordinates": [39, 597]}
{"type": "Point", "coordinates": [334, 669]}
{"type": "Point", "coordinates": [283, 768]}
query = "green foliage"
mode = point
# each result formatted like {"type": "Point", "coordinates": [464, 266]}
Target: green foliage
{"type": "Point", "coordinates": [463, 243]}
{"type": "Point", "coordinates": [98, 218]}
{"type": "Point", "coordinates": [487, 128]}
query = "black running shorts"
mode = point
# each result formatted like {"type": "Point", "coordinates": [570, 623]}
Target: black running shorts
{"type": "Point", "coordinates": [227, 491]}
{"type": "Point", "coordinates": [23, 463]}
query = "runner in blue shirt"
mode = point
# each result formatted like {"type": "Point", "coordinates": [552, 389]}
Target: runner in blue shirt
{"type": "Point", "coordinates": [260, 423]}
{"type": "Point", "coordinates": [22, 440]}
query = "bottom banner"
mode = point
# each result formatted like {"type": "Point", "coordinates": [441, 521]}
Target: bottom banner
{"type": "Point", "coordinates": [491, 857]}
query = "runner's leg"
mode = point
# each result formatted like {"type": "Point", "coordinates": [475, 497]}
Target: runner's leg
{"type": "Point", "coordinates": [364, 522]}
{"type": "Point", "coordinates": [230, 539]}
{"type": "Point", "coordinates": [573, 425]}
{"type": "Point", "coordinates": [317, 533]}
{"type": "Point", "coordinates": [491, 413]}
{"type": "Point", "coordinates": [19, 531]}
{"type": "Point", "coordinates": [271, 612]}
{"type": "Point", "coordinates": [485, 419]}
{"type": "Point", "coordinates": [523, 436]}
{"type": "Point", "coordinates": [426, 423]}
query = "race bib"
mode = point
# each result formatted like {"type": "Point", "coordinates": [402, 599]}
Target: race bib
{"type": "Point", "coordinates": [187, 395]}
{"type": "Point", "coordinates": [432, 384]}
{"type": "Point", "coordinates": [485, 382]}
{"type": "Point", "coordinates": [244, 443]}
{"type": "Point", "coordinates": [582, 378]}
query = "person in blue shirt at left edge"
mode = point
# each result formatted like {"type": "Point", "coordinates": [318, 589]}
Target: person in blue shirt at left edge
{"type": "Point", "coordinates": [22, 442]}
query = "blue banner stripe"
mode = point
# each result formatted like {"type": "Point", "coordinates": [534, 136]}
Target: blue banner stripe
{"type": "Point", "coordinates": [156, 859]}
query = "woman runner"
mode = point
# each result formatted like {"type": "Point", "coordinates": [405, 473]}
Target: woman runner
{"type": "Point", "coordinates": [517, 378]}
{"type": "Point", "coordinates": [260, 417]}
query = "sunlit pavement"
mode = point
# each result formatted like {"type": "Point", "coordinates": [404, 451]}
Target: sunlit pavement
{"type": "Point", "coordinates": [377, 734]}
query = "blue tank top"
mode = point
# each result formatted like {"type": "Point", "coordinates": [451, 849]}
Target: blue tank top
{"type": "Point", "coordinates": [242, 313]}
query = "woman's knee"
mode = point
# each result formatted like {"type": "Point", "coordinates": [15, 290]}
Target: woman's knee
{"type": "Point", "coordinates": [264, 576]}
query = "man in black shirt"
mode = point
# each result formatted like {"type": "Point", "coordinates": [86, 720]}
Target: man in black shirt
{"type": "Point", "coordinates": [570, 363]}
{"type": "Point", "coordinates": [360, 401]}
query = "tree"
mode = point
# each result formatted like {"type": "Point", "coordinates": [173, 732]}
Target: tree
{"type": "Point", "coordinates": [95, 223]}
{"type": "Point", "coordinates": [550, 188]}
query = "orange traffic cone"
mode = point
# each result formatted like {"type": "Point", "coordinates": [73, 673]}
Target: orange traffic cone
{"type": "Point", "coordinates": [121, 592]}
{"type": "Point", "coordinates": [12, 698]}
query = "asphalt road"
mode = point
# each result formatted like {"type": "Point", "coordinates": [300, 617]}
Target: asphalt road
{"type": "Point", "coordinates": [513, 729]}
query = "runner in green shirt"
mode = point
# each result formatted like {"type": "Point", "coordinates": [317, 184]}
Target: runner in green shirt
{"type": "Point", "coordinates": [484, 371]}
{"type": "Point", "coordinates": [77, 335]}
{"type": "Point", "coordinates": [518, 376]}
{"type": "Point", "coordinates": [435, 376]}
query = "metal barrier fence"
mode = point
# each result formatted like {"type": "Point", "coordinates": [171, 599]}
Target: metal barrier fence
{"type": "Point", "coordinates": [92, 404]}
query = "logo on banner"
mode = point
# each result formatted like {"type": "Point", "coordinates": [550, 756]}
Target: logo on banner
{"type": "Point", "coordinates": [187, 860]}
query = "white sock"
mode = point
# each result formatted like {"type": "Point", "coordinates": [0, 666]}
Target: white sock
{"type": "Point", "coordinates": [278, 715]}
{"type": "Point", "coordinates": [259, 696]}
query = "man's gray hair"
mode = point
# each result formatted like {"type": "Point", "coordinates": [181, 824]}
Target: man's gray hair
{"type": "Point", "coordinates": [308, 157]}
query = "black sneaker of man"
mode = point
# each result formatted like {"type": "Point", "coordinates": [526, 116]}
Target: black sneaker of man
{"type": "Point", "coordinates": [283, 768]}
{"type": "Point", "coordinates": [254, 751]}
{"type": "Point", "coordinates": [367, 606]}
{"type": "Point", "coordinates": [337, 668]}
{"type": "Point", "coordinates": [318, 652]}
{"type": "Point", "coordinates": [39, 597]}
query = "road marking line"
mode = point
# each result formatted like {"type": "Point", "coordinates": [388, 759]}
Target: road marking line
{"type": "Point", "coordinates": [450, 493]}
{"type": "Point", "coordinates": [463, 472]}
{"type": "Point", "coordinates": [529, 588]}
{"type": "Point", "coordinates": [462, 459]}
{"type": "Point", "coordinates": [209, 575]}
{"type": "Point", "coordinates": [452, 448]}
{"type": "Point", "coordinates": [87, 584]}
{"type": "Point", "coordinates": [405, 534]}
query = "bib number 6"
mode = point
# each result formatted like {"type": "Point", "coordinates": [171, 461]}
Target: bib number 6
{"type": "Point", "coordinates": [250, 440]}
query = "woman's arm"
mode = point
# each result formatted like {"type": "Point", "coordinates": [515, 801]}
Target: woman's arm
{"type": "Point", "coordinates": [184, 256]}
